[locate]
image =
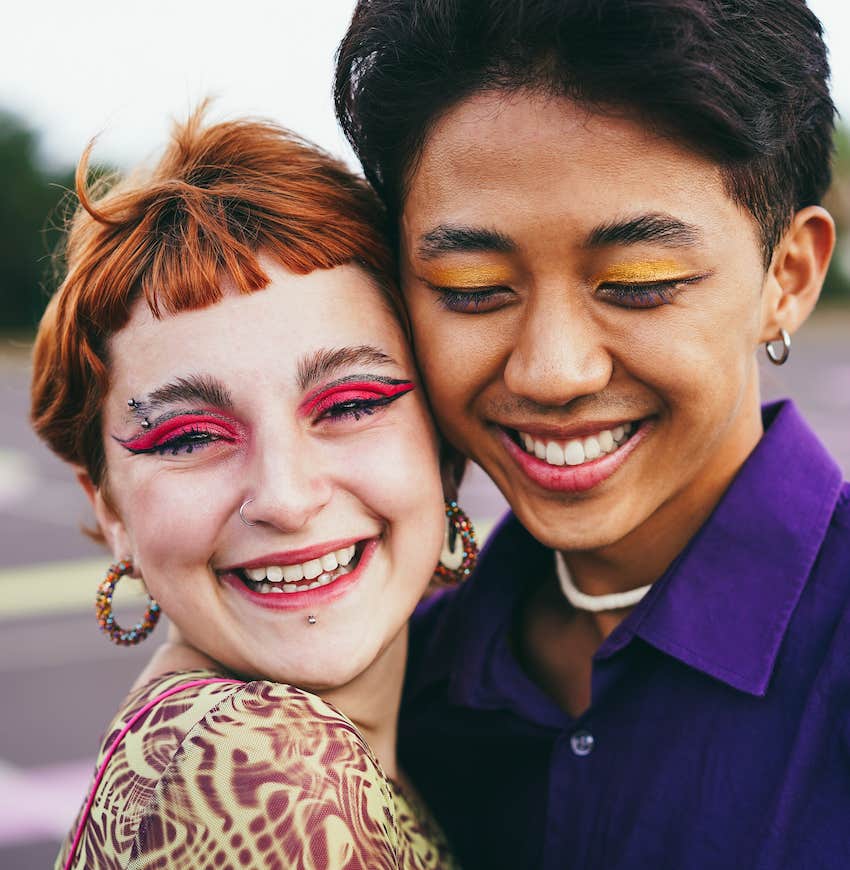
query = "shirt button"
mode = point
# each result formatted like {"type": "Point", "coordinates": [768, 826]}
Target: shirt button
{"type": "Point", "coordinates": [582, 743]}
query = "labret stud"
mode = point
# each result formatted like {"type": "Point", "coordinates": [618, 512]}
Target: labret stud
{"type": "Point", "coordinates": [311, 620]}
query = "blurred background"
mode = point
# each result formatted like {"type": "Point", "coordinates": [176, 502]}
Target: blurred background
{"type": "Point", "coordinates": [69, 72]}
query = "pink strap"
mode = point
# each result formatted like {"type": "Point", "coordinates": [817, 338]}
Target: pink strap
{"type": "Point", "coordinates": [84, 817]}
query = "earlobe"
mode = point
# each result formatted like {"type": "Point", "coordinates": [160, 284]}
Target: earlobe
{"type": "Point", "coordinates": [108, 520]}
{"type": "Point", "coordinates": [797, 272]}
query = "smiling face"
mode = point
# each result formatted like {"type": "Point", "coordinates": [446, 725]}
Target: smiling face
{"type": "Point", "coordinates": [586, 302]}
{"type": "Point", "coordinates": [301, 398]}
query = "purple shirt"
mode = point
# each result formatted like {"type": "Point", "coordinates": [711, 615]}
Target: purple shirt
{"type": "Point", "coordinates": [719, 730]}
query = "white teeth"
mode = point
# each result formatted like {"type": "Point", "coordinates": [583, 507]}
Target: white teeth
{"type": "Point", "coordinates": [592, 450]}
{"type": "Point", "coordinates": [577, 451]}
{"type": "Point", "coordinates": [343, 557]}
{"type": "Point", "coordinates": [312, 569]}
{"type": "Point", "coordinates": [292, 573]}
{"type": "Point", "coordinates": [574, 453]}
{"type": "Point", "coordinates": [606, 441]}
{"type": "Point", "coordinates": [554, 453]}
{"type": "Point", "coordinates": [321, 571]}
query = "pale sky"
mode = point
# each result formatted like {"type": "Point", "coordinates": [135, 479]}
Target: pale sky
{"type": "Point", "coordinates": [123, 70]}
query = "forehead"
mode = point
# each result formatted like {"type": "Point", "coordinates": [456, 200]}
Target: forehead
{"type": "Point", "coordinates": [264, 333]}
{"type": "Point", "coordinates": [550, 166]}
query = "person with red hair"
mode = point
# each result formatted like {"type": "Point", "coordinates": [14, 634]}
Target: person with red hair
{"type": "Point", "coordinates": [226, 366]}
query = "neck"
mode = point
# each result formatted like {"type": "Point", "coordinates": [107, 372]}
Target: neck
{"type": "Point", "coordinates": [372, 701]}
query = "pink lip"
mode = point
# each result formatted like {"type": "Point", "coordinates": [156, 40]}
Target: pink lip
{"type": "Point", "coordinates": [574, 478]}
{"type": "Point", "coordinates": [309, 597]}
{"type": "Point", "coordinates": [293, 557]}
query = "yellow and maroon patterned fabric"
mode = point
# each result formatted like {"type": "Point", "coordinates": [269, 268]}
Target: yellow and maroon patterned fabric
{"type": "Point", "coordinates": [252, 774]}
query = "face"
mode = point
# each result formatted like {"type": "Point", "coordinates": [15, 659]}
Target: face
{"type": "Point", "coordinates": [302, 398]}
{"type": "Point", "coordinates": [585, 299]}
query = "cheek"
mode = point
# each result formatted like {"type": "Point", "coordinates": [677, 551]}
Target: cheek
{"type": "Point", "coordinates": [172, 520]}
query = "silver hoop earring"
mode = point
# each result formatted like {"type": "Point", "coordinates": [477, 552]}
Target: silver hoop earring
{"type": "Point", "coordinates": [242, 512]}
{"type": "Point", "coordinates": [779, 357]}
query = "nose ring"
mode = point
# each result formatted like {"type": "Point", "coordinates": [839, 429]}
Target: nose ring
{"type": "Point", "coordinates": [242, 512]}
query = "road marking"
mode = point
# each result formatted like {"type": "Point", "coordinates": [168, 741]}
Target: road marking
{"type": "Point", "coordinates": [17, 476]}
{"type": "Point", "coordinates": [41, 803]}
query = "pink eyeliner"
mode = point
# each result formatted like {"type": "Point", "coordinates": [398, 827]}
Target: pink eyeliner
{"type": "Point", "coordinates": [351, 391]}
{"type": "Point", "coordinates": [174, 427]}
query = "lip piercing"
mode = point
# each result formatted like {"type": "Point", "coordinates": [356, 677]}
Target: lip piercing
{"type": "Point", "coordinates": [311, 620]}
{"type": "Point", "coordinates": [242, 513]}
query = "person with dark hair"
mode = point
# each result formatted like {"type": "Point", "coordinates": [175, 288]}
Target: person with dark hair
{"type": "Point", "coordinates": [604, 210]}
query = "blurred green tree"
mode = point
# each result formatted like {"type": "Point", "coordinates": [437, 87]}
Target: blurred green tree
{"type": "Point", "coordinates": [29, 220]}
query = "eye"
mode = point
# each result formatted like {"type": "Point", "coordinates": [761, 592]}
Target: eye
{"type": "Point", "coordinates": [180, 436]}
{"type": "Point", "coordinates": [479, 300]}
{"type": "Point", "coordinates": [352, 401]}
{"type": "Point", "coordinates": [644, 295]}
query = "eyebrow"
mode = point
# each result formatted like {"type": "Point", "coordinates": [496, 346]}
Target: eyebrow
{"type": "Point", "coordinates": [448, 239]}
{"type": "Point", "coordinates": [663, 229]}
{"type": "Point", "coordinates": [193, 388]}
{"type": "Point", "coordinates": [321, 363]}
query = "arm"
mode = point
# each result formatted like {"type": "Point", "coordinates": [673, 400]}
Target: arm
{"type": "Point", "coordinates": [270, 777]}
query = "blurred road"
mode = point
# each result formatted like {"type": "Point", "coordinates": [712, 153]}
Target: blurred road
{"type": "Point", "coordinates": [61, 681]}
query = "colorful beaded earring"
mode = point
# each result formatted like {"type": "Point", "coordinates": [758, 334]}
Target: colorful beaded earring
{"type": "Point", "coordinates": [460, 551]}
{"type": "Point", "coordinates": [103, 609]}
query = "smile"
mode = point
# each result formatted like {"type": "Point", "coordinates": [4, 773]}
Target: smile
{"type": "Point", "coordinates": [574, 462]}
{"type": "Point", "coordinates": [578, 450]}
{"type": "Point", "coordinates": [287, 579]}
{"type": "Point", "coordinates": [303, 578]}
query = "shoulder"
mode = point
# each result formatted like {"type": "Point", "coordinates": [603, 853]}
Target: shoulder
{"type": "Point", "coordinates": [270, 772]}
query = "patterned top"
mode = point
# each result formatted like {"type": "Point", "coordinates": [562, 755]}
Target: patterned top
{"type": "Point", "coordinates": [258, 774]}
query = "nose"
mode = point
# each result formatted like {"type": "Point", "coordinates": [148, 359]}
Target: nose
{"type": "Point", "coordinates": [559, 354]}
{"type": "Point", "coordinates": [288, 485]}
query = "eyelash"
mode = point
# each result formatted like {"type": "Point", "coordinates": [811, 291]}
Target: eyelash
{"type": "Point", "coordinates": [184, 439]}
{"type": "Point", "coordinates": [354, 408]}
{"type": "Point", "coordinates": [647, 295]}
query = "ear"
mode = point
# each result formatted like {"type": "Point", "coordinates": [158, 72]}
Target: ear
{"type": "Point", "coordinates": [108, 520]}
{"type": "Point", "coordinates": [797, 269]}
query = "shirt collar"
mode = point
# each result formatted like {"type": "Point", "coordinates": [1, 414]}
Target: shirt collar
{"type": "Point", "coordinates": [724, 605]}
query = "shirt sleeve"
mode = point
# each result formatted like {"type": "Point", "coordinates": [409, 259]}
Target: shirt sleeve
{"type": "Point", "coordinates": [270, 777]}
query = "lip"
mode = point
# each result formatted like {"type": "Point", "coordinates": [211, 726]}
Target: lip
{"type": "Point", "coordinates": [294, 557]}
{"type": "Point", "coordinates": [544, 432]}
{"type": "Point", "coordinates": [574, 478]}
{"type": "Point", "coordinates": [309, 597]}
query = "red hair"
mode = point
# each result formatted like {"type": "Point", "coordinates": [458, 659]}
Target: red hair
{"type": "Point", "coordinates": [220, 196]}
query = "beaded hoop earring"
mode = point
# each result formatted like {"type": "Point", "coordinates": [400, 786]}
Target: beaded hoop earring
{"type": "Point", "coordinates": [460, 550]}
{"type": "Point", "coordinates": [103, 609]}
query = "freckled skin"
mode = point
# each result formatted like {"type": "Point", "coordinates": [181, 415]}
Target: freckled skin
{"type": "Point", "coordinates": [543, 172]}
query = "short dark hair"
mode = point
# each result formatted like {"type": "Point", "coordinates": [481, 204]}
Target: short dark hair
{"type": "Point", "coordinates": [745, 82]}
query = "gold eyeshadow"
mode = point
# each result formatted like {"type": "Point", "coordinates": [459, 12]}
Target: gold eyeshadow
{"type": "Point", "coordinates": [643, 272]}
{"type": "Point", "coordinates": [468, 276]}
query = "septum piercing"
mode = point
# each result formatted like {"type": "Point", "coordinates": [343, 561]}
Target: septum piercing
{"type": "Point", "coordinates": [242, 513]}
